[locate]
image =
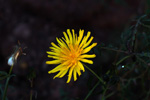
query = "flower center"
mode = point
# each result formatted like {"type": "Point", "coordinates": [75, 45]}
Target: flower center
{"type": "Point", "coordinates": [73, 58]}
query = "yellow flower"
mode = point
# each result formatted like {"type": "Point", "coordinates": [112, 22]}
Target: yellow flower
{"type": "Point", "coordinates": [69, 53]}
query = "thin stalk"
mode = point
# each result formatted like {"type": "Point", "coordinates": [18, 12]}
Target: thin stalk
{"type": "Point", "coordinates": [31, 89]}
{"type": "Point", "coordinates": [123, 59]}
{"type": "Point", "coordinates": [103, 96]}
{"type": "Point", "coordinates": [92, 90]}
{"type": "Point", "coordinates": [100, 79]}
{"type": "Point", "coordinates": [31, 95]}
{"type": "Point", "coordinates": [114, 50]}
{"type": "Point", "coordinates": [6, 85]}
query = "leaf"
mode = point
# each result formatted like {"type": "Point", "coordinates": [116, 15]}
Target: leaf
{"type": "Point", "coordinates": [3, 77]}
{"type": "Point", "coordinates": [2, 73]}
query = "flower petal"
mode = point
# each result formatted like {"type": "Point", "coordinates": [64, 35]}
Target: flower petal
{"type": "Point", "coordinates": [89, 48]}
{"type": "Point", "coordinates": [53, 62]}
{"type": "Point", "coordinates": [87, 61]}
{"type": "Point", "coordinates": [54, 45]}
{"type": "Point", "coordinates": [64, 73]}
{"type": "Point", "coordinates": [70, 35]}
{"type": "Point", "coordinates": [87, 44]}
{"type": "Point", "coordinates": [73, 38]}
{"type": "Point", "coordinates": [54, 57]}
{"type": "Point", "coordinates": [75, 75]}
{"type": "Point", "coordinates": [80, 36]}
{"type": "Point", "coordinates": [81, 66]}
{"type": "Point", "coordinates": [61, 43]}
{"type": "Point", "coordinates": [88, 35]}
{"type": "Point", "coordinates": [88, 56]}
{"type": "Point", "coordinates": [52, 53]}
{"type": "Point", "coordinates": [78, 70]}
{"type": "Point", "coordinates": [61, 73]}
{"type": "Point", "coordinates": [70, 74]}
{"type": "Point", "coordinates": [56, 69]}
{"type": "Point", "coordinates": [66, 37]}
{"type": "Point", "coordinates": [58, 74]}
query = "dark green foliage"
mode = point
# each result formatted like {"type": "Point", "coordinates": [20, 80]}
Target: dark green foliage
{"type": "Point", "coordinates": [128, 74]}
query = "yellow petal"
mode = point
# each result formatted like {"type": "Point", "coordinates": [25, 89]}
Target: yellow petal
{"type": "Point", "coordinates": [61, 73]}
{"type": "Point", "coordinates": [58, 74]}
{"type": "Point", "coordinates": [75, 75]}
{"type": "Point", "coordinates": [64, 73]}
{"type": "Point", "coordinates": [82, 42]}
{"type": "Point", "coordinates": [56, 69]}
{"type": "Point", "coordinates": [70, 35]}
{"type": "Point", "coordinates": [80, 35]}
{"type": "Point", "coordinates": [60, 43]}
{"type": "Point", "coordinates": [87, 61]}
{"type": "Point", "coordinates": [52, 53]}
{"type": "Point", "coordinates": [70, 74]}
{"type": "Point", "coordinates": [55, 49]}
{"type": "Point", "coordinates": [73, 36]}
{"type": "Point", "coordinates": [78, 70]}
{"type": "Point", "coordinates": [88, 56]}
{"type": "Point", "coordinates": [88, 35]}
{"type": "Point", "coordinates": [54, 45]}
{"type": "Point", "coordinates": [87, 44]}
{"type": "Point", "coordinates": [54, 57]}
{"type": "Point", "coordinates": [81, 66]}
{"type": "Point", "coordinates": [53, 62]}
{"type": "Point", "coordinates": [66, 37]}
{"type": "Point", "coordinates": [89, 48]}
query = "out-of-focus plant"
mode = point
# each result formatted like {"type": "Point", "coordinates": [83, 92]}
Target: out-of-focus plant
{"type": "Point", "coordinates": [128, 76]}
{"type": "Point", "coordinates": [31, 76]}
{"type": "Point", "coordinates": [11, 62]}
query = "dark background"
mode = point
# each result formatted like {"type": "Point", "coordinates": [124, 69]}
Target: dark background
{"type": "Point", "coordinates": [36, 23]}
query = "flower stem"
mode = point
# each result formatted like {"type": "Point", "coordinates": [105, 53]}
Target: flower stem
{"type": "Point", "coordinates": [104, 92]}
{"type": "Point", "coordinates": [100, 79]}
{"type": "Point", "coordinates": [6, 85]}
{"type": "Point", "coordinates": [92, 90]}
{"type": "Point", "coordinates": [106, 48]}
{"type": "Point", "coordinates": [123, 59]}
{"type": "Point", "coordinates": [31, 91]}
{"type": "Point", "coordinates": [31, 95]}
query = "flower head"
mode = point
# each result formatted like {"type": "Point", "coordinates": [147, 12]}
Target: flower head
{"type": "Point", "coordinates": [70, 52]}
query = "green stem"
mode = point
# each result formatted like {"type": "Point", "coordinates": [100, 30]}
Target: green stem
{"type": "Point", "coordinates": [31, 95]}
{"type": "Point", "coordinates": [31, 89]}
{"type": "Point", "coordinates": [6, 85]}
{"type": "Point", "coordinates": [95, 74]}
{"type": "Point", "coordinates": [103, 96]}
{"type": "Point", "coordinates": [92, 90]}
{"type": "Point", "coordinates": [109, 95]}
{"type": "Point", "coordinates": [114, 50]}
{"type": "Point", "coordinates": [122, 60]}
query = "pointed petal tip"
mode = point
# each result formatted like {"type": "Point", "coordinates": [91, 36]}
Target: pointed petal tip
{"type": "Point", "coordinates": [75, 79]}
{"type": "Point", "coordinates": [46, 62]}
{"type": "Point", "coordinates": [67, 81]}
{"type": "Point", "coordinates": [95, 44]}
{"type": "Point", "coordinates": [94, 55]}
{"type": "Point", "coordinates": [68, 29]}
{"type": "Point", "coordinates": [49, 72]}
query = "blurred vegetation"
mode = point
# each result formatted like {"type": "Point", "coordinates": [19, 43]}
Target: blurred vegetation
{"type": "Point", "coordinates": [127, 77]}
